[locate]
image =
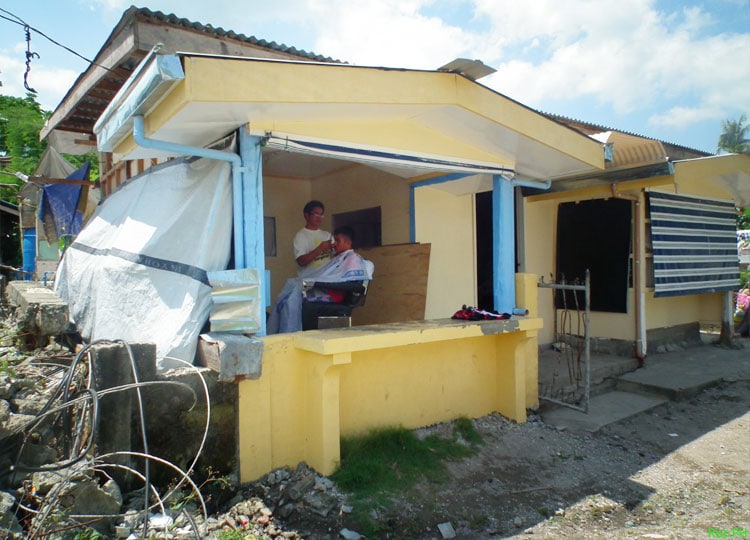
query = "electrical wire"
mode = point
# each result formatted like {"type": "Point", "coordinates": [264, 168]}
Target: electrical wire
{"type": "Point", "coordinates": [28, 27]}
{"type": "Point", "coordinates": [76, 395]}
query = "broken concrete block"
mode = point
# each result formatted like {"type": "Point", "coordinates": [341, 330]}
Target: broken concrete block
{"type": "Point", "coordinates": [41, 313]}
{"type": "Point", "coordinates": [233, 356]}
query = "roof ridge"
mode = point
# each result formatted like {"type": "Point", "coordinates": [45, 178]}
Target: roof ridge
{"type": "Point", "coordinates": [171, 18]}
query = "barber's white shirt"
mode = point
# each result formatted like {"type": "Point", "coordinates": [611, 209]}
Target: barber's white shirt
{"type": "Point", "coordinates": [304, 242]}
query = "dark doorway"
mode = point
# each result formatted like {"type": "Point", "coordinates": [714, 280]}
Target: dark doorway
{"type": "Point", "coordinates": [366, 224]}
{"type": "Point", "coordinates": [595, 235]}
{"type": "Point", "coordinates": [485, 274]}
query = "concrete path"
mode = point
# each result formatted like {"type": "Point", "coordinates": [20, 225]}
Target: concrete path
{"type": "Point", "coordinates": [669, 376]}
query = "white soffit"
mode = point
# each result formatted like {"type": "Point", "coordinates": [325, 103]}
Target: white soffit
{"type": "Point", "coordinates": [631, 150]}
{"type": "Point", "coordinates": [472, 134]}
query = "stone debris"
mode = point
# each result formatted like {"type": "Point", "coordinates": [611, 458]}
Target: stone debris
{"type": "Point", "coordinates": [347, 534]}
{"type": "Point", "coordinates": [446, 530]}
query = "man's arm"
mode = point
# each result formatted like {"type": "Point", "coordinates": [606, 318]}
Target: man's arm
{"type": "Point", "coordinates": [307, 258]}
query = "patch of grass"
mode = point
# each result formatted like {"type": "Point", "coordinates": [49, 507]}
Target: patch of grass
{"type": "Point", "coordinates": [390, 459]}
{"type": "Point", "coordinates": [464, 427]}
{"type": "Point", "coordinates": [389, 462]}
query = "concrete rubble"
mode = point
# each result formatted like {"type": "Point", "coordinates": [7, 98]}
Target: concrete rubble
{"type": "Point", "coordinates": [34, 474]}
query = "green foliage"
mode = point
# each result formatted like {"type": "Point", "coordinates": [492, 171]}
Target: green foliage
{"type": "Point", "coordinates": [733, 138]}
{"type": "Point", "coordinates": [88, 534]}
{"type": "Point", "coordinates": [743, 219]}
{"type": "Point", "coordinates": [21, 120]}
{"type": "Point", "coordinates": [6, 369]}
{"type": "Point", "coordinates": [77, 161]}
{"type": "Point", "coordinates": [392, 459]}
{"type": "Point", "coordinates": [239, 535]}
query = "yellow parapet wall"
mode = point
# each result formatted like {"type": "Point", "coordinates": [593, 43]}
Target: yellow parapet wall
{"type": "Point", "coordinates": [319, 385]}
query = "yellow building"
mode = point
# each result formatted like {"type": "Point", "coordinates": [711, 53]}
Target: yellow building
{"type": "Point", "coordinates": [651, 294]}
{"type": "Point", "coordinates": [431, 163]}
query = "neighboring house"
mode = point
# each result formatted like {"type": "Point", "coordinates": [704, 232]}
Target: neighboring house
{"type": "Point", "coordinates": [9, 239]}
{"type": "Point", "coordinates": [656, 274]}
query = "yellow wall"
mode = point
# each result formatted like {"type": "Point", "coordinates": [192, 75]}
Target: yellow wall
{"type": "Point", "coordinates": [360, 187]}
{"type": "Point", "coordinates": [283, 199]}
{"type": "Point", "coordinates": [319, 385]}
{"type": "Point", "coordinates": [540, 223]}
{"type": "Point", "coordinates": [447, 222]}
{"type": "Point", "coordinates": [540, 226]}
{"type": "Point", "coordinates": [676, 310]}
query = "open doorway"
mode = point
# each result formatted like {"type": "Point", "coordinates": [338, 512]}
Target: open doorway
{"type": "Point", "coordinates": [485, 273]}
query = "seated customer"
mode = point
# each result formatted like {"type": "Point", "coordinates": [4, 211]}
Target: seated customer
{"type": "Point", "coordinates": [286, 314]}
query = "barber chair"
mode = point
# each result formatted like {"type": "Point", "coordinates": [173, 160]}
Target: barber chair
{"type": "Point", "coordinates": [320, 299]}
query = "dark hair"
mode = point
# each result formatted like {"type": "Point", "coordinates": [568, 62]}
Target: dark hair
{"type": "Point", "coordinates": [312, 205]}
{"type": "Point", "coordinates": [345, 230]}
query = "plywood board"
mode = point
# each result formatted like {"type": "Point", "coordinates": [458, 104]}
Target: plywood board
{"type": "Point", "coordinates": [398, 288]}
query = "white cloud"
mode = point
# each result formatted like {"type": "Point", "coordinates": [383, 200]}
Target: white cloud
{"type": "Point", "coordinates": [50, 83]}
{"type": "Point", "coordinates": [682, 117]}
{"type": "Point", "coordinates": [625, 55]}
{"type": "Point", "coordinates": [630, 57]}
{"type": "Point", "coordinates": [386, 33]}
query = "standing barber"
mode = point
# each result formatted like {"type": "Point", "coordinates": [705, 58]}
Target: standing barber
{"type": "Point", "coordinates": [312, 245]}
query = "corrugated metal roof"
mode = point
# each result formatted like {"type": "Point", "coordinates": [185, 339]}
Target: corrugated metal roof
{"type": "Point", "coordinates": [171, 19]}
{"type": "Point", "coordinates": [95, 87]}
{"type": "Point", "coordinates": [675, 151]}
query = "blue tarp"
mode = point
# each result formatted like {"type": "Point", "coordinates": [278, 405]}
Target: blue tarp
{"type": "Point", "coordinates": [59, 205]}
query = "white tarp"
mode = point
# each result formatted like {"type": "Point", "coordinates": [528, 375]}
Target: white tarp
{"type": "Point", "coordinates": [138, 270]}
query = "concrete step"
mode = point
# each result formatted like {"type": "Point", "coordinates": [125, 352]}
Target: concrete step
{"type": "Point", "coordinates": [680, 378]}
{"type": "Point", "coordinates": [673, 392]}
{"type": "Point", "coordinates": [604, 409]}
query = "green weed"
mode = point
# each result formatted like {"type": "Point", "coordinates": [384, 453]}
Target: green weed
{"type": "Point", "coordinates": [391, 461]}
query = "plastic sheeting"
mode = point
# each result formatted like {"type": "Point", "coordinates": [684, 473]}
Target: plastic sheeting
{"type": "Point", "coordinates": [58, 208]}
{"type": "Point", "coordinates": [138, 269]}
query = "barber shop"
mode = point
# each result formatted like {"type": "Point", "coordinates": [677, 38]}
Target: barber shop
{"type": "Point", "coordinates": [413, 175]}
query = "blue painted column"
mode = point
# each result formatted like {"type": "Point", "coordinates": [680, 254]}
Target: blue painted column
{"type": "Point", "coordinates": [503, 245]}
{"type": "Point", "coordinates": [251, 210]}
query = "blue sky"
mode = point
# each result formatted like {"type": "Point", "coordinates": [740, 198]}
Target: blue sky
{"type": "Point", "coordinates": [668, 69]}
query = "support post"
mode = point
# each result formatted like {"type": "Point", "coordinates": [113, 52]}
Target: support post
{"type": "Point", "coordinates": [503, 244]}
{"type": "Point", "coordinates": [251, 208]}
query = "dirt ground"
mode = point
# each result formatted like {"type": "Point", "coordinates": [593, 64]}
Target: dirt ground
{"type": "Point", "coordinates": [680, 470]}
{"type": "Point", "coordinates": [677, 471]}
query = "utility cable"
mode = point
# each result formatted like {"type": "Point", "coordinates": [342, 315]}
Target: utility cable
{"type": "Point", "coordinates": [17, 20]}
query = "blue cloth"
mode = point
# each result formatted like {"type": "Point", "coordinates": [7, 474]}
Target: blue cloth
{"type": "Point", "coordinates": [59, 203]}
{"type": "Point", "coordinates": [286, 314]}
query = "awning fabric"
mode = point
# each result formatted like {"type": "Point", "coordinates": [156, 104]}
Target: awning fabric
{"type": "Point", "coordinates": [379, 157]}
{"type": "Point", "coordinates": [694, 245]}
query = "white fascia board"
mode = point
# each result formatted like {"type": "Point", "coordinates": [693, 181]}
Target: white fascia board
{"type": "Point", "coordinates": [146, 87]}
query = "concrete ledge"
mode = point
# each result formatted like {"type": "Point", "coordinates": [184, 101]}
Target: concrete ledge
{"type": "Point", "coordinates": [381, 336]}
{"type": "Point", "coordinates": [41, 312]}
